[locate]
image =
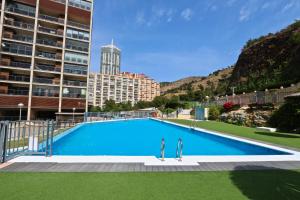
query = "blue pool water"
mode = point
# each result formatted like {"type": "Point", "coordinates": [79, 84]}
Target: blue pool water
{"type": "Point", "coordinates": [143, 138]}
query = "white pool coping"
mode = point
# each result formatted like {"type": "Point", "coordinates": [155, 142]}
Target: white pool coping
{"type": "Point", "coordinates": [153, 161]}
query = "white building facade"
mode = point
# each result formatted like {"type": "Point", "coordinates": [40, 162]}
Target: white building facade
{"type": "Point", "coordinates": [124, 87]}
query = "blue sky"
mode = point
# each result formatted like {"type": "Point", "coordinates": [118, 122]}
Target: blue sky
{"type": "Point", "coordinates": [172, 39]}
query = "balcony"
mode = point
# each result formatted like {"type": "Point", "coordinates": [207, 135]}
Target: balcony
{"type": "Point", "coordinates": [58, 32]}
{"type": "Point", "coordinates": [45, 93]}
{"type": "Point", "coordinates": [51, 81]}
{"type": "Point", "coordinates": [81, 4]}
{"type": "Point", "coordinates": [50, 68]}
{"type": "Point", "coordinates": [11, 35]}
{"type": "Point", "coordinates": [18, 78]}
{"type": "Point", "coordinates": [59, 1]}
{"type": "Point", "coordinates": [17, 49]}
{"type": "Point", "coordinates": [74, 70]}
{"type": "Point", "coordinates": [78, 25]}
{"type": "Point", "coordinates": [47, 55]}
{"type": "Point", "coordinates": [50, 43]}
{"type": "Point", "coordinates": [52, 19]}
{"type": "Point", "coordinates": [77, 48]}
{"type": "Point", "coordinates": [23, 11]}
{"type": "Point", "coordinates": [74, 95]}
{"type": "Point", "coordinates": [19, 24]}
{"type": "Point", "coordinates": [75, 83]}
{"type": "Point", "coordinates": [9, 63]}
{"type": "Point", "coordinates": [14, 92]}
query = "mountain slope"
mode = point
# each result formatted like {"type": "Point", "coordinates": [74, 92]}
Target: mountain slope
{"type": "Point", "coordinates": [269, 62]}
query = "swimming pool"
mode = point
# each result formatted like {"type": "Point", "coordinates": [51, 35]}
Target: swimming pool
{"type": "Point", "coordinates": [143, 138]}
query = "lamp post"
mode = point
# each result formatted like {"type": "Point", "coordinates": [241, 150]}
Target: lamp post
{"type": "Point", "coordinates": [255, 96]}
{"type": "Point", "coordinates": [74, 114]}
{"type": "Point", "coordinates": [266, 92]}
{"type": "Point", "coordinates": [207, 100]}
{"type": "Point", "coordinates": [20, 105]}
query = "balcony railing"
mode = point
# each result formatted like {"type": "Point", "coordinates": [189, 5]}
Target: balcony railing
{"type": "Point", "coordinates": [75, 83]}
{"type": "Point", "coordinates": [75, 71]}
{"type": "Point", "coordinates": [45, 93]}
{"type": "Point", "coordinates": [47, 68]}
{"type": "Point", "coordinates": [19, 24]}
{"type": "Point", "coordinates": [14, 92]}
{"type": "Point", "coordinates": [20, 64]}
{"type": "Point", "coordinates": [59, 1]}
{"type": "Point", "coordinates": [51, 30]}
{"type": "Point", "coordinates": [22, 11]}
{"type": "Point", "coordinates": [80, 4]}
{"type": "Point", "coordinates": [74, 96]}
{"type": "Point", "coordinates": [9, 63]}
{"type": "Point", "coordinates": [49, 43]}
{"type": "Point", "coordinates": [17, 49]}
{"type": "Point", "coordinates": [18, 78]}
{"type": "Point", "coordinates": [77, 48]}
{"type": "Point", "coordinates": [43, 80]}
{"type": "Point", "coordinates": [51, 18]}
{"type": "Point", "coordinates": [78, 25]}
{"type": "Point", "coordinates": [48, 55]}
{"type": "Point", "coordinates": [24, 38]}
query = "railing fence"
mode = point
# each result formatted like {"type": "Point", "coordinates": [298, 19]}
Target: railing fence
{"type": "Point", "coordinates": [101, 116]}
{"type": "Point", "coordinates": [29, 137]}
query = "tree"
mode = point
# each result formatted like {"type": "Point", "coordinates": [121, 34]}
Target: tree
{"type": "Point", "coordinates": [143, 104]}
{"type": "Point", "coordinates": [159, 101]}
{"type": "Point", "coordinates": [110, 106]}
{"type": "Point", "coordinates": [127, 106]}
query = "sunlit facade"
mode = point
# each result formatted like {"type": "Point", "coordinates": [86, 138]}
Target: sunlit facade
{"type": "Point", "coordinates": [45, 57]}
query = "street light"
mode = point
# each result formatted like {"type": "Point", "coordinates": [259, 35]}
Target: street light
{"type": "Point", "coordinates": [74, 114]}
{"type": "Point", "coordinates": [266, 92]}
{"type": "Point", "coordinates": [255, 96]}
{"type": "Point", "coordinates": [20, 105]}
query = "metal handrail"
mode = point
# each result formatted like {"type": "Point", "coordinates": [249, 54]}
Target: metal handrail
{"type": "Point", "coordinates": [21, 11]}
{"type": "Point", "coordinates": [179, 149]}
{"type": "Point", "coordinates": [162, 149]}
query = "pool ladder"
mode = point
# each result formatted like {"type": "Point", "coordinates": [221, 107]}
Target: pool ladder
{"type": "Point", "coordinates": [162, 150]}
{"type": "Point", "coordinates": [178, 149]}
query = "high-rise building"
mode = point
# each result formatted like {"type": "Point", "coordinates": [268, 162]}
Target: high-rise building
{"type": "Point", "coordinates": [110, 59]}
{"type": "Point", "coordinates": [124, 87]}
{"type": "Point", "coordinates": [44, 57]}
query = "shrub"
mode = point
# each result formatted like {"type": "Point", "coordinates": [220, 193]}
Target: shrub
{"type": "Point", "coordinates": [214, 112]}
{"type": "Point", "coordinates": [287, 117]}
{"type": "Point", "coordinates": [228, 106]}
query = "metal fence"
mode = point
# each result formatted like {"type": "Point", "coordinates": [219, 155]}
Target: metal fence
{"type": "Point", "coordinates": [29, 137]}
{"type": "Point", "coordinates": [275, 96]}
{"type": "Point", "coordinates": [102, 116]}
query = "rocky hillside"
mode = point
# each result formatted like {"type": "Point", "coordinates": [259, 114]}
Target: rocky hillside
{"type": "Point", "coordinates": [270, 61]}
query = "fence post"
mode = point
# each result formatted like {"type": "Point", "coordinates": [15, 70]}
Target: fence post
{"type": "Point", "coordinates": [47, 138]}
{"type": "Point", "coordinates": [3, 139]}
{"type": "Point", "coordinates": [51, 136]}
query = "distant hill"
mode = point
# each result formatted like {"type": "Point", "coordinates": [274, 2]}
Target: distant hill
{"type": "Point", "coordinates": [168, 86]}
{"type": "Point", "coordinates": [270, 61]}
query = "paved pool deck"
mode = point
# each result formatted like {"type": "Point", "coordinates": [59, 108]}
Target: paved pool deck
{"type": "Point", "coordinates": [140, 167]}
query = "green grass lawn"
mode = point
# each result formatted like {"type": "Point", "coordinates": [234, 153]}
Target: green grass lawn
{"type": "Point", "coordinates": [257, 185]}
{"type": "Point", "coordinates": [283, 139]}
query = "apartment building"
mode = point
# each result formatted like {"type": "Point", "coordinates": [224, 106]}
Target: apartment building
{"type": "Point", "coordinates": [44, 57]}
{"type": "Point", "coordinates": [123, 87]}
{"type": "Point", "coordinates": [110, 59]}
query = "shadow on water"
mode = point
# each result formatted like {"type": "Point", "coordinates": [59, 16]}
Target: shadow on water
{"type": "Point", "coordinates": [277, 135]}
{"type": "Point", "coordinates": [267, 183]}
